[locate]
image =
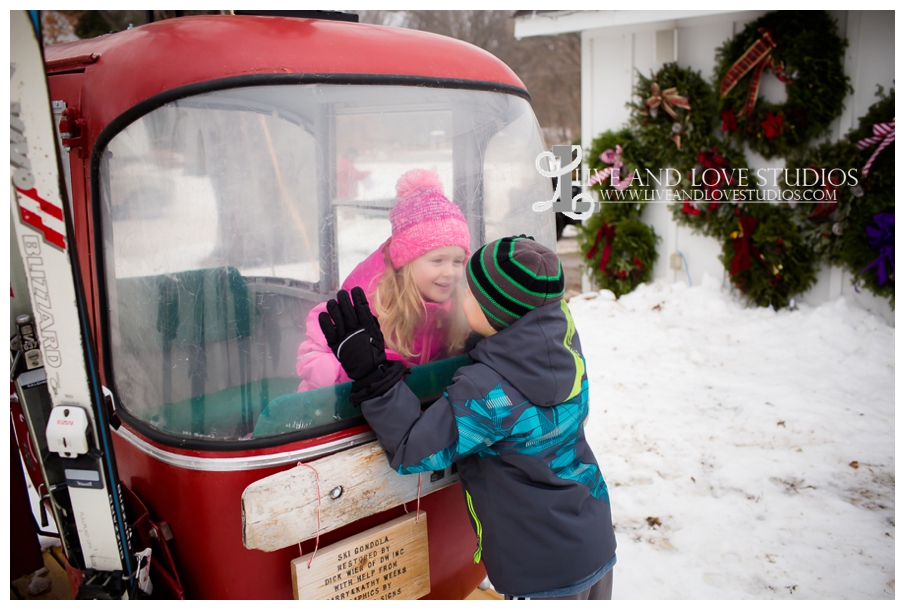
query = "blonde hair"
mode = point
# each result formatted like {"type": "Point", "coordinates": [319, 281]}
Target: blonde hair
{"type": "Point", "coordinates": [400, 309]}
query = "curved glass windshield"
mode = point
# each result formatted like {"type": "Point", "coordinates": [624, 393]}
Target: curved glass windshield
{"type": "Point", "coordinates": [228, 217]}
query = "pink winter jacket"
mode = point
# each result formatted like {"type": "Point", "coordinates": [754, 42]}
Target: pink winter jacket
{"type": "Point", "coordinates": [316, 364]}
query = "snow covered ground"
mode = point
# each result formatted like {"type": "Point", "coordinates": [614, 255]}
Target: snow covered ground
{"type": "Point", "coordinates": [749, 454]}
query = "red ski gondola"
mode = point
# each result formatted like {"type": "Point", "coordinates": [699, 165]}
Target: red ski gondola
{"type": "Point", "coordinates": [226, 173]}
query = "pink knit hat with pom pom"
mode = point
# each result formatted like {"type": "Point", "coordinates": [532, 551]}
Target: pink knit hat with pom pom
{"type": "Point", "coordinates": [424, 219]}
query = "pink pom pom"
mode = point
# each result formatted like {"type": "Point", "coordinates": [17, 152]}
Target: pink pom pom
{"type": "Point", "coordinates": [417, 179]}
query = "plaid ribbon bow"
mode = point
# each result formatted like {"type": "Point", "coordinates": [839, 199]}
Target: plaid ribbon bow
{"type": "Point", "coordinates": [885, 134]}
{"type": "Point", "coordinates": [758, 57]}
{"type": "Point", "coordinates": [614, 159]}
{"type": "Point", "coordinates": [667, 99]}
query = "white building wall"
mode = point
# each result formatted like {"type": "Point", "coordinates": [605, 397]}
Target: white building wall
{"type": "Point", "coordinates": [612, 56]}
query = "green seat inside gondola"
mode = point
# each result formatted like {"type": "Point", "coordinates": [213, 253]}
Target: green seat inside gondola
{"type": "Point", "coordinates": [223, 413]}
{"type": "Point", "coordinates": [322, 406]}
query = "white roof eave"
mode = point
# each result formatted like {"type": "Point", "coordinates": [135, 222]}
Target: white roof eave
{"type": "Point", "coordinates": [560, 22]}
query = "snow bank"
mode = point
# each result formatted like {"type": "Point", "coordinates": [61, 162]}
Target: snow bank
{"type": "Point", "coordinates": [750, 454]}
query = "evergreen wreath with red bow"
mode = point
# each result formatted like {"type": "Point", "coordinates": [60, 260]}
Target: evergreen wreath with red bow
{"type": "Point", "coordinates": [803, 50]}
{"type": "Point", "coordinates": [766, 257]}
{"type": "Point", "coordinates": [619, 249]}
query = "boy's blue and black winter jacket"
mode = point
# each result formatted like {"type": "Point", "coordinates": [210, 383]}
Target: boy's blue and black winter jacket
{"type": "Point", "coordinates": [512, 423]}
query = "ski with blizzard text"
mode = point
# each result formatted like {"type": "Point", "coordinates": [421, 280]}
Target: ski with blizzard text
{"type": "Point", "coordinates": [77, 432]}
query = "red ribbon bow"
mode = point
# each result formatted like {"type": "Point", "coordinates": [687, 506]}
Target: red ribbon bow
{"type": "Point", "coordinates": [757, 58]}
{"type": "Point", "coordinates": [744, 246]}
{"type": "Point", "coordinates": [885, 134]}
{"type": "Point", "coordinates": [607, 233]}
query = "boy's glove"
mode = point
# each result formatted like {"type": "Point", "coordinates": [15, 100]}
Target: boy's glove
{"type": "Point", "coordinates": [354, 335]}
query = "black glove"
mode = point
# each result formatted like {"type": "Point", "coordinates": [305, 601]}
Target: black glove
{"type": "Point", "coordinates": [354, 335]}
{"type": "Point", "coordinates": [377, 383]}
{"type": "Point", "coordinates": [352, 332]}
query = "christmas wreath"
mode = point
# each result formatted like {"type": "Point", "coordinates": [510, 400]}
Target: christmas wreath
{"type": "Point", "coordinates": [612, 162]}
{"type": "Point", "coordinates": [875, 138]}
{"type": "Point", "coordinates": [710, 192]}
{"type": "Point", "coordinates": [766, 257]}
{"type": "Point", "coordinates": [619, 250]}
{"type": "Point", "coordinates": [804, 51]}
{"type": "Point", "coordinates": [672, 118]}
{"type": "Point", "coordinates": [868, 247]}
{"type": "Point", "coordinates": [819, 190]}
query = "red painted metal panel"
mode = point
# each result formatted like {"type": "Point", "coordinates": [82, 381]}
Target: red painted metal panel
{"type": "Point", "coordinates": [203, 509]}
{"type": "Point", "coordinates": [136, 64]}
{"type": "Point", "coordinates": [68, 88]}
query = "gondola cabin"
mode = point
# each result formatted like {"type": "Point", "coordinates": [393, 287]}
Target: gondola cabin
{"type": "Point", "coordinates": [226, 173]}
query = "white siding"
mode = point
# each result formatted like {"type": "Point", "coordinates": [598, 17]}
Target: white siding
{"type": "Point", "coordinates": [611, 58]}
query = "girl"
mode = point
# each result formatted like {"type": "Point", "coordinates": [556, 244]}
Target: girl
{"type": "Point", "coordinates": [413, 283]}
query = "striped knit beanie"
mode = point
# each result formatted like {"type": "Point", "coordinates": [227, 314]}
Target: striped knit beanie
{"type": "Point", "coordinates": [512, 276]}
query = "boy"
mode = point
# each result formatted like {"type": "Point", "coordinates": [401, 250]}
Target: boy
{"type": "Point", "coordinates": [512, 422]}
